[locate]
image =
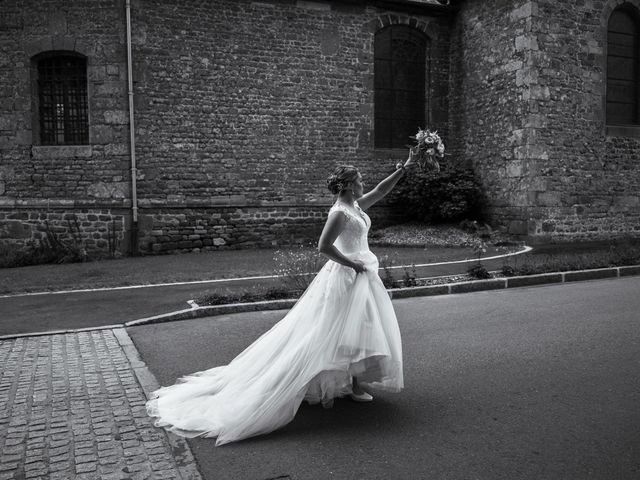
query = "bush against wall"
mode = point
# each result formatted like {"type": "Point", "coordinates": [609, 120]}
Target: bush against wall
{"type": "Point", "coordinates": [52, 248]}
{"type": "Point", "coordinates": [450, 195]}
{"type": "Point", "coordinates": [64, 241]}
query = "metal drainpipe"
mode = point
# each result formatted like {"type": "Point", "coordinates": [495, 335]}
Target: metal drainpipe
{"type": "Point", "coordinates": [134, 171]}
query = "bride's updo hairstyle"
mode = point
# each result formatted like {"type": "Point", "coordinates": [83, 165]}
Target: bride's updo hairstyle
{"type": "Point", "coordinates": [341, 177]}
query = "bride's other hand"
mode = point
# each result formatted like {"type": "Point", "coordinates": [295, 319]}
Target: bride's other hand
{"type": "Point", "coordinates": [358, 266]}
{"type": "Point", "coordinates": [413, 156]}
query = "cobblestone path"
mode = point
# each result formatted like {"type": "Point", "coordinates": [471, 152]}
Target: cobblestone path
{"type": "Point", "coordinates": [73, 406]}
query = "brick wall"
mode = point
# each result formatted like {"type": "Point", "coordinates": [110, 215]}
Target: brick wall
{"type": "Point", "coordinates": [242, 109]}
{"type": "Point", "coordinates": [528, 91]}
{"type": "Point", "coordinates": [240, 106]}
{"type": "Point", "coordinates": [44, 187]}
{"type": "Point", "coordinates": [492, 74]}
{"type": "Point", "coordinates": [31, 171]}
{"type": "Point", "coordinates": [590, 182]}
{"type": "Point", "coordinates": [98, 231]}
{"type": "Point", "coordinates": [254, 103]}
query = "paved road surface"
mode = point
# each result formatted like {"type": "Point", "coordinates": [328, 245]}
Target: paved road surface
{"type": "Point", "coordinates": [532, 383]}
{"type": "Point", "coordinates": [38, 313]}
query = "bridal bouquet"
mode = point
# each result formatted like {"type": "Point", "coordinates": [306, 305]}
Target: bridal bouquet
{"type": "Point", "coordinates": [428, 146]}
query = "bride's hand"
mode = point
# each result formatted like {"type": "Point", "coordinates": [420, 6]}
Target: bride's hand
{"type": "Point", "coordinates": [413, 155]}
{"type": "Point", "coordinates": [358, 266]}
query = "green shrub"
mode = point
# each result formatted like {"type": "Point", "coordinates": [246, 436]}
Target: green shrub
{"type": "Point", "coordinates": [51, 249]}
{"type": "Point", "coordinates": [254, 294]}
{"type": "Point", "coordinates": [479, 271]}
{"type": "Point", "coordinates": [388, 280]}
{"type": "Point", "coordinates": [10, 255]}
{"type": "Point", "coordinates": [508, 270]}
{"type": "Point", "coordinates": [410, 277]}
{"type": "Point", "coordinates": [451, 195]}
{"type": "Point", "coordinates": [55, 248]}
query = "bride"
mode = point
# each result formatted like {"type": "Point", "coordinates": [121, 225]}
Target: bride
{"type": "Point", "coordinates": [340, 339]}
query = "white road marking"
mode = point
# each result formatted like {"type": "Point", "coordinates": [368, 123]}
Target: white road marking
{"type": "Point", "coordinates": [467, 260]}
{"type": "Point", "coordinates": [150, 285]}
{"type": "Point", "coordinates": [239, 279]}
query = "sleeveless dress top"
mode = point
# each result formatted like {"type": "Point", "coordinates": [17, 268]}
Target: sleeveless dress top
{"type": "Point", "coordinates": [342, 326]}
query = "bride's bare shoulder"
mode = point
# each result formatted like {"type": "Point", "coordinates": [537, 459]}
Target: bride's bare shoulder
{"type": "Point", "coordinates": [339, 208]}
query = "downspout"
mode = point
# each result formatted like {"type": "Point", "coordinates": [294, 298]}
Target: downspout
{"type": "Point", "coordinates": [132, 136]}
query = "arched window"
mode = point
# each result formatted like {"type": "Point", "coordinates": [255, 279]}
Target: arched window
{"type": "Point", "coordinates": [400, 54]}
{"type": "Point", "coordinates": [623, 68]}
{"type": "Point", "coordinates": [62, 98]}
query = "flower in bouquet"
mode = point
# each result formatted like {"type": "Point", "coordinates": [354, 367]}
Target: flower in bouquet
{"type": "Point", "coordinates": [428, 147]}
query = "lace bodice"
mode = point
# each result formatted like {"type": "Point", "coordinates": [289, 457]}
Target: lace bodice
{"type": "Point", "coordinates": [353, 238]}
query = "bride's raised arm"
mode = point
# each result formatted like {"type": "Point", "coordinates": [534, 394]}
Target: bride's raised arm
{"type": "Point", "coordinates": [386, 185]}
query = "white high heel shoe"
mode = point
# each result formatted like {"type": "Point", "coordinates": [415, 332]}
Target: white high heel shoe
{"type": "Point", "coordinates": [361, 397]}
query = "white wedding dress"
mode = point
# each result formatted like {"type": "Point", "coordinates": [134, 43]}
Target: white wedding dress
{"type": "Point", "coordinates": [342, 326]}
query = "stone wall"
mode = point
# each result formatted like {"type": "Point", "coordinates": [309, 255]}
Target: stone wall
{"type": "Point", "coordinates": [590, 181]}
{"type": "Point", "coordinates": [493, 87]}
{"type": "Point", "coordinates": [195, 229]}
{"type": "Point", "coordinates": [94, 172]}
{"type": "Point", "coordinates": [219, 228]}
{"type": "Point", "coordinates": [252, 104]}
{"type": "Point", "coordinates": [240, 106]}
{"type": "Point", "coordinates": [528, 85]}
{"type": "Point", "coordinates": [44, 188]}
{"type": "Point", "coordinates": [98, 232]}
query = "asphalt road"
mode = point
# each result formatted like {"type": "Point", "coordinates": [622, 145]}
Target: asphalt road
{"type": "Point", "coordinates": [531, 383]}
{"type": "Point", "coordinates": [61, 311]}
{"type": "Point", "coordinates": [28, 313]}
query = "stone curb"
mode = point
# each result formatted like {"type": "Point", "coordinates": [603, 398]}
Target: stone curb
{"type": "Point", "coordinates": [407, 292]}
{"type": "Point", "coordinates": [211, 310]}
{"type": "Point", "coordinates": [184, 459]}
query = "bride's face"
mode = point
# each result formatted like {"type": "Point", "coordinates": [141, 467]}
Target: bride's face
{"type": "Point", "coordinates": [358, 186]}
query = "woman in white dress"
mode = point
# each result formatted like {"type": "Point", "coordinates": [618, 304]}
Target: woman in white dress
{"type": "Point", "coordinates": [340, 339]}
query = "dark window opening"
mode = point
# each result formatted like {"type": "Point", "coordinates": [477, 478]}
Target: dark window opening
{"type": "Point", "coordinates": [400, 79]}
{"type": "Point", "coordinates": [62, 99]}
{"type": "Point", "coordinates": [623, 68]}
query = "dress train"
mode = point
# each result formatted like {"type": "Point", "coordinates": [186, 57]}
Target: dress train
{"type": "Point", "coordinates": [342, 326]}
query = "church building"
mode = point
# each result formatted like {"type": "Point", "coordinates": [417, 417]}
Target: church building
{"type": "Point", "coordinates": [158, 125]}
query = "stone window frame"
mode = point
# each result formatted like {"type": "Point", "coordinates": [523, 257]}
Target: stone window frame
{"type": "Point", "coordinates": [424, 27]}
{"type": "Point", "coordinates": [70, 93]}
{"type": "Point", "coordinates": [41, 45]}
{"type": "Point", "coordinates": [631, 131]}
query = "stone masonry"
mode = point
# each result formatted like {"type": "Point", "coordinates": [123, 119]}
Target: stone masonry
{"type": "Point", "coordinates": [72, 407]}
{"type": "Point", "coordinates": [242, 108]}
{"type": "Point", "coordinates": [530, 111]}
{"type": "Point", "coordinates": [97, 231]}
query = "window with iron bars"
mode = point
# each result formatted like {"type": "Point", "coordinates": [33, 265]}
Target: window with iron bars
{"type": "Point", "coordinates": [62, 98]}
{"type": "Point", "coordinates": [623, 67]}
{"type": "Point", "coordinates": [400, 79]}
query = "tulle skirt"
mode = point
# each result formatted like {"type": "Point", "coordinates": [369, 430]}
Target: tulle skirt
{"type": "Point", "coordinates": [343, 326]}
